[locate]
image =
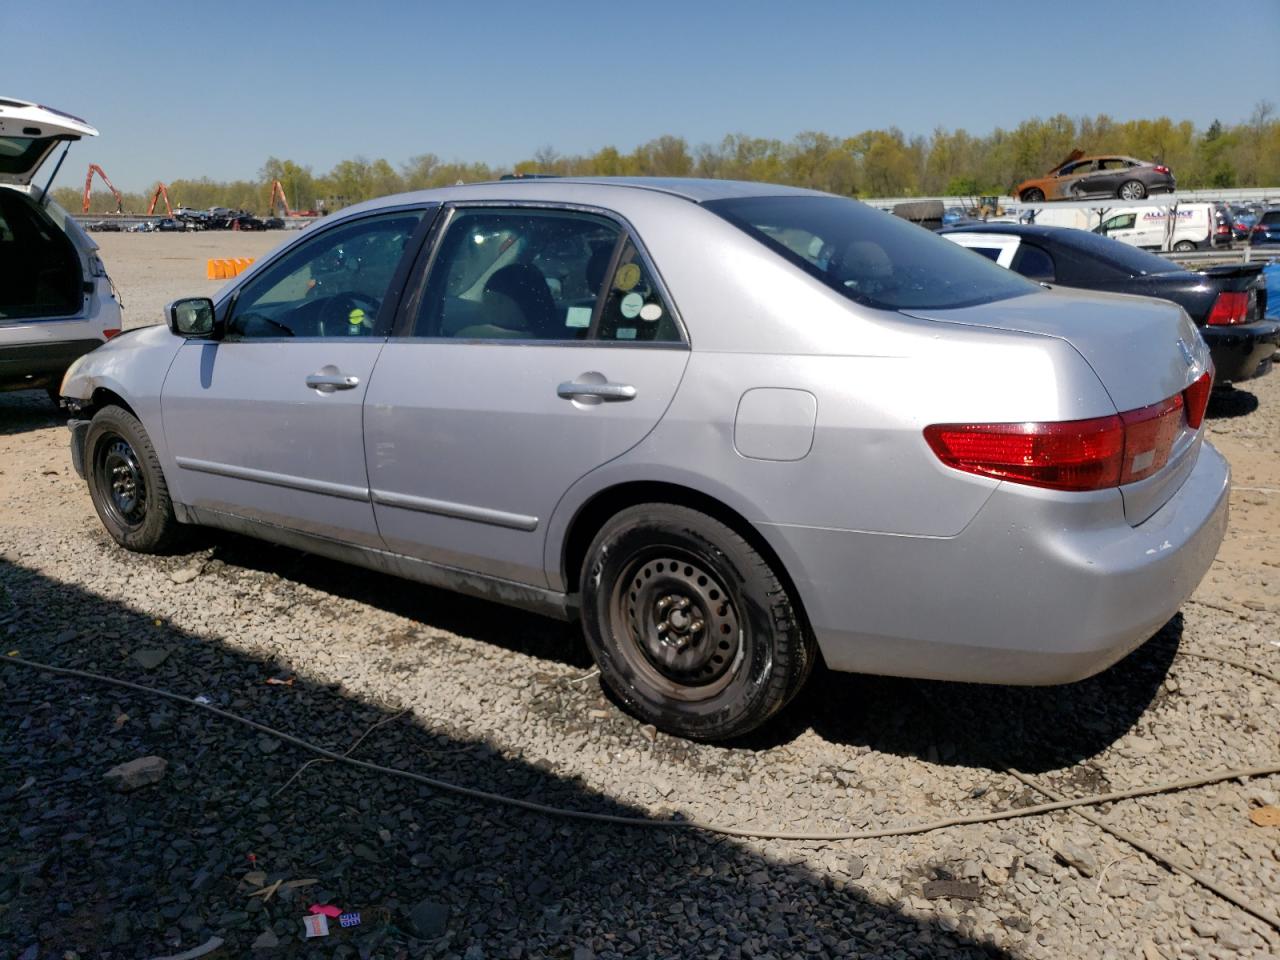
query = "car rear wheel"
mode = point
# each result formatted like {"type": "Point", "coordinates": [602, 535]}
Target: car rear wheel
{"type": "Point", "coordinates": [691, 628]}
{"type": "Point", "coordinates": [1032, 196]}
{"type": "Point", "coordinates": [1184, 246]}
{"type": "Point", "coordinates": [1132, 190]}
{"type": "Point", "coordinates": [126, 484]}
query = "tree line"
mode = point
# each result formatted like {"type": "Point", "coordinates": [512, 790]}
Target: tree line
{"type": "Point", "coordinates": [874, 163]}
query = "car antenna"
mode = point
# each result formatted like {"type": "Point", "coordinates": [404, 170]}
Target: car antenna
{"type": "Point", "coordinates": [44, 197]}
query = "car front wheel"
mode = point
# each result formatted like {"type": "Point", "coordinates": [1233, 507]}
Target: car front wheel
{"type": "Point", "coordinates": [691, 628]}
{"type": "Point", "coordinates": [126, 484]}
{"type": "Point", "coordinates": [1032, 196]}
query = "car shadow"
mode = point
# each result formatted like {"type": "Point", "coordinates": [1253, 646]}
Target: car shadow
{"type": "Point", "coordinates": [1034, 729]}
{"type": "Point", "coordinates": [165, 867]}
{"type": "Point", "coordinates": [22, 411]}
{"type": "Point", "coordinates": [1227, 403]}
{"type": "Point", "coordinates": [490, 623]}
{"type": "Point", "coordinates": [974, 725]}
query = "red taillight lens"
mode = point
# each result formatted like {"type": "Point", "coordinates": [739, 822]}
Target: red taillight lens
{"type": "Point", "coordinates": [1229, 308]}
{"type": "Point", "coordinates": [109, 333]}
{"type": "Point", "coordinates": [1148, 437]}
{"type": "Point", "coordinates": [1162, 169]}
{"type": "Point", "coordinates": [1223, 228]}
{"type": "Point", "coordinates": [1071, 455]}
{"type": "Point", "coordinates": [1074, 454]}
{"type": "Point", "coordinates": [1197, 399]}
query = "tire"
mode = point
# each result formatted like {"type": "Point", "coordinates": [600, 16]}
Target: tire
{"type": "Point", "coordinates": [126, 484]}
{"type": "Point", "coordinates": [1033, 195]}
{"type": "Point", "coordinates": [1132, 190]}
{"type": "Point", "coordinates": [1184, 246]}
{"type": "Point", "coordinates": [735, 650]}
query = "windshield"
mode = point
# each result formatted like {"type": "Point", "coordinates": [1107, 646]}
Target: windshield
{"type": "Point", "coordinates": [1128, 258]}
{"type": "Point", "coordinates": [20, 155]}
{"type": "Point", "coordinates": [871, 257]}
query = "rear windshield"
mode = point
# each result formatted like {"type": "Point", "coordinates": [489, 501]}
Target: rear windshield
{"type": "Point", "coordinates": [20, 154]}
{"type": "Point", "coordinates": [871, 257]}
{"type": "Point", "coordinates": [1135, 262]}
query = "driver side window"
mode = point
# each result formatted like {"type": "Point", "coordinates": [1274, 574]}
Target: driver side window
{"type": "Point", "coordinates": [331, 285]}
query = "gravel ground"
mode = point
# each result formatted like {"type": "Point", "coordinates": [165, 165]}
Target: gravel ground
{"type": "Point", "coordinates": [506, 701]}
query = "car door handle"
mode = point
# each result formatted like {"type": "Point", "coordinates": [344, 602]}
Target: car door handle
{"type": "Point", "coordinates": [609, 392]}
{"type": "Point", "coordinates": [328, 382]}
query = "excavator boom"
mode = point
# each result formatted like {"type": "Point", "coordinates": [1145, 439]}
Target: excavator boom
{"type": "Point", "coordinates": [88, 188]}
{"type": "Point", "coordinates": [160, 191]}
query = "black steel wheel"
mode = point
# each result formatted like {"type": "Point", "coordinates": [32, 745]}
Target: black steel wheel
{"type": "Point", "coordinates": [126, 484]}
{"type": "Point", "coordinates": [1034, 195]}
{"type": "Point", "coordinates": [691, 628]}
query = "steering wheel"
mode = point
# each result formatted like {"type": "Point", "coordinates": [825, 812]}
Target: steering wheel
{"type": "Point", "coordinates": [336, 312]}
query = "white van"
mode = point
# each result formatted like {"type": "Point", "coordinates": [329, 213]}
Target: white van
{"type": "Point", "coordinates": [1149, 227]}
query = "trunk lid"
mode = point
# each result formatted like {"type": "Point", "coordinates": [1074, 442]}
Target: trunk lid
{"type": "Point", "coordinates": [1143, 351]}
{"type": "Point", "coordinates": [29, 133]}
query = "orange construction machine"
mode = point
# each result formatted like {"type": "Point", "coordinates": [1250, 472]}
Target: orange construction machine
{"type": "Point", "coordinates": [88, 188]}
{"type": "Point", "coordinates": [161, 191]}
{"type": "Point", "coordinates": [277, 190]}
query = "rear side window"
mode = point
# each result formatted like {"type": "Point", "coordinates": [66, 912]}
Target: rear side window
{"type": "Point", "coordinates": [541, 274]}
{"type": "Point", "coordinates": [871, 257]}
{"type": "Point", "coordinates": [1034, 263]}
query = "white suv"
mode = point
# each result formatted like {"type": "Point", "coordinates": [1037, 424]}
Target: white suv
{"type": "Point", "coordinates": [56, 300]}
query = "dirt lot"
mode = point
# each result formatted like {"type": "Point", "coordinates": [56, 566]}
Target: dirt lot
{"type": "Point", "coordinates": [507, 702]}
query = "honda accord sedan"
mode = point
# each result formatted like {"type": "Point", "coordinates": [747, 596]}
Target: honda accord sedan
{"type": "Point", "coordinates": [729, 427]}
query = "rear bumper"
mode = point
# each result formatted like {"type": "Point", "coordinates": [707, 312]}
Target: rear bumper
{"type": "Point", "coordinates": [1025, 595]}
{"type": "Point", "coordinates": [1242, 352]}
{"type": "Point", "coordinates": [37, 364]}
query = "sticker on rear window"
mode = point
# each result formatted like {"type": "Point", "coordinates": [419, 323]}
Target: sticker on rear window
{"type": "Point", "coordinates": [628, 276]}
{"type": "Point", "coordinates": [650, 312]}
{"type": "Point", "coordinates": [578, 317]}
{"type": "Point", "coordinates": [626, 333]}
{"type": "Point", "coordinates": [631, 305]}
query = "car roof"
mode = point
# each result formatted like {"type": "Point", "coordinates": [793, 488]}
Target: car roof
{"type": "Point", "coordinates": [608, 191]}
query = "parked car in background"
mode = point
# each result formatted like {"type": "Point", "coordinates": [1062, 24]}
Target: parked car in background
{"type": "Point", "coordinates": [1194, 226]}
{"type": "Point", "coordinates": [1267, 229]}
{"type": "Point", "coordinates": [1228, 304]}
{"type": "Point", "coordinates": [104, 226]}
{"type": "Point", "coordinates": [56, 300]}
{"type": "Point", "coordinates": [170, 225]}
{"type": "Point", "coordinates": [726, 425]}
{"type": "Point", "coordinates": [1223, 234]}
{"type": "Point", "coordinates": [1080, 178]}
{"type": "Point", "coordinates": [246, 221]}
{"type": "Point", "coordinates": [273, 223]}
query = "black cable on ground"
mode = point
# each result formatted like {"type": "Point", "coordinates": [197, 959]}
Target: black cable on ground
{"type": "Point", "coordinates": [632, 821]}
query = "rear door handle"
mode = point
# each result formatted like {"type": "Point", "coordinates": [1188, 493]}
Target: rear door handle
{"type": "Point", "coordinates": [608, 392]}
{"type": "Point", "coordinates": [329, 382]}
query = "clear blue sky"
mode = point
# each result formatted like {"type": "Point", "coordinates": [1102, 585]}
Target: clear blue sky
{"type": "Point", "coordinates": [213, 89]}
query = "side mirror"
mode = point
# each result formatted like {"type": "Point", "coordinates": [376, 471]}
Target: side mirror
{"type": "Point", "coordinates": [191, 317]}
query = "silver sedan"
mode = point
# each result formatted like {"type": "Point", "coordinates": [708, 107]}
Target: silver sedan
{"type": "Point", "coordinates": [730, 427]}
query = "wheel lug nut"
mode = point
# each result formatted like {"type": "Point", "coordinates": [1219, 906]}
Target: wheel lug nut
{"type": "Point", "coordinates": [696, 626]}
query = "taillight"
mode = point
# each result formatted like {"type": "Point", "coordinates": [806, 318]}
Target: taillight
{"type": "Point", "coordinates": [1223, 228]}
{"type": "Point", "coordinates": [1074, 454]}
{"type": "Point", "coordinates": [1160, 168]}
{"type": "Point", "coordinates": [1196, 397]}
{"type": "Point", "coordinates": [1071, 455]}
{"type": "Point", "coordinates": [1229, 308]}
{"type": "Point", "coordinates": [1148, 437]}
{"type": "Point", "coordinates": [110, 332]}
